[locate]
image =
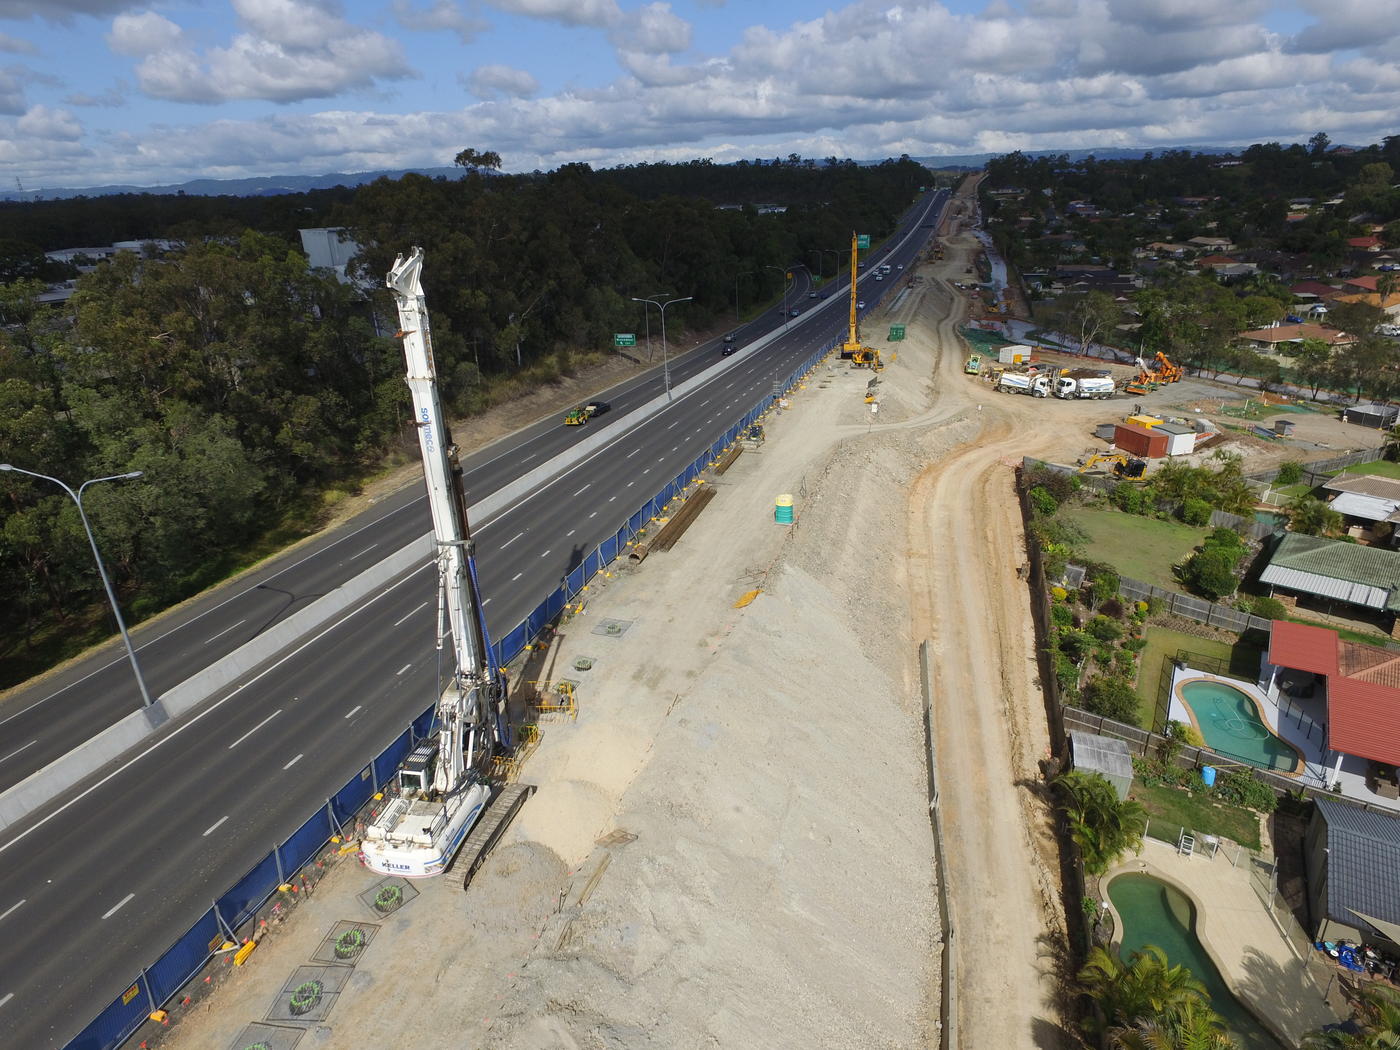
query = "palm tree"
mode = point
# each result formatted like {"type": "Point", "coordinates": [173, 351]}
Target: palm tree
{"type": "Point", "coordinates": [1378, 1015]}
{"type": "Point", "coordinates": [1103, 826]}
{"type": "Point", "coordinates": [1142, 989]}
{"type": "Point", "coordinates": [1312, 517]}
{"type": "Point", "coordinates": [1189, 1025]}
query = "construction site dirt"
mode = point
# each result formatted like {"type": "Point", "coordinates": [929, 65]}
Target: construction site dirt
{"type": "Point", "coordinates": [730, 843]}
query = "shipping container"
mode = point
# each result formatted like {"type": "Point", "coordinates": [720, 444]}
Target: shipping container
{"type": "Point", "coordinates": [1137, 440]}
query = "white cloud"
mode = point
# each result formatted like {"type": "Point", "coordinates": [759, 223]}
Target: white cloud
{"type": "Point", "coordinates": [439, 15]}
{"type": "Point", "coordinates": [12, 90]}
{"type": "Point", "coordinates": [41, 122]}
{"type": "Point", "coordinates": [489, 82]}
{"type": "Point", "coordinates": [652, 30]}
{"type": "Point", "coordinates": [567, 12]}
{"type": "Point", "coordinates": [1344, 24]}
{"type": "Point", "coordinates": [143, 34]}
{"type": "Point", "coordinates": [295, 50]}
{"type": "Point", "coordinates": [63, 10]}
{"type": "Point", "coordinates": [15, 46]}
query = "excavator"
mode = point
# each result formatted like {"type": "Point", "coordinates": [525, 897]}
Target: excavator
{"type": "Point", "coordinates": [852, 350]}
{"type": "Point", "coordinates": [1124, 468]}
{"type": "Point", "coordinates": [1151, 376]}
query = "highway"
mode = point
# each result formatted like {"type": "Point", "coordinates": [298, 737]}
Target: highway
{"type": "Point", "coordinates": [102, 881]}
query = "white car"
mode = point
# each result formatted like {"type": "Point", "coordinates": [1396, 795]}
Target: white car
{"type": "Point", "coordinates": [860, 305]}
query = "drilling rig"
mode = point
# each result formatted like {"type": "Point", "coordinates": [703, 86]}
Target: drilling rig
{"type": "Point", "coordinates": [852, 350]}
{"type": "Point", "coordinates": [441, 789]}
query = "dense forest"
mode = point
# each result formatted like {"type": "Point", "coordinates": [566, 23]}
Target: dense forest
{"type": "Point", "coordinates": [245, 386]}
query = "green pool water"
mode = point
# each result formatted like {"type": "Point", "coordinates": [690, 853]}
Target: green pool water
{"type": "Point", "coordinates": [1230, 724]}
{"type": "Point", "coordinates": [1155, 913]}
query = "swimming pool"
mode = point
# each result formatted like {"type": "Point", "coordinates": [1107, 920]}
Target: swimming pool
{"type": "Point", "coordinates": [1230, 723]}
{"type": "Point", "coordinates": [1156, 913]}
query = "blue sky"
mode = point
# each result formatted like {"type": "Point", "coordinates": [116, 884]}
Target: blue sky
{"type": "Point", "coordinates": [160, 91]}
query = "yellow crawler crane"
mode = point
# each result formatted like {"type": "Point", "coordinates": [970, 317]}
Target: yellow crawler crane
{"type": "Point", "coordinates": [851, 350]}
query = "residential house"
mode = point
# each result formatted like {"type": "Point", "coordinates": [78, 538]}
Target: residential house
{"type": "Point", "coordinates": [1336, 572]}
{"type": "Point", "coordinates": [1169, 250]}
{"type": "Point", "coordinates": [1216, 260]}
{"type": "Point", "coordinates": [1351, 856]}
{"type": "Point", "coordinates": [1368, 499]}
{"type": "Point", "coordinates": [1364, 244]}
{"type": "Point", "coordinates": [1274, 337]}
{"type": "Point", "coordinates": [1390, 306]}
{"type": "Point", "coordinates": [1212, 244]}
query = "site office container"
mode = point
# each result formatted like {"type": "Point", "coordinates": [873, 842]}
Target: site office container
{"type": "Point", "coordinates": [1181, 440]}
{"type": "Point", "coordinates": [1136, 440]}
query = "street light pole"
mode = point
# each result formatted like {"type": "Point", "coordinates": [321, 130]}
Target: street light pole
{"type": "Point", "coordinates": [665, 360]}
{"type": "Point", "coordinates": [77, 498]}
{"type": "Point", "coordinates": [784, 271]}
{"type": "Point", "coordinates": [746, 273]}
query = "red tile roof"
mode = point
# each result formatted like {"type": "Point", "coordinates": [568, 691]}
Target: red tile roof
{"type": "Point", "coordinates": [1302, 647]}
{"type": "Point", "coordinates": [1363, 719]}
{"type": "Point", "coordinates": [1363, 687]}
{"type": "Point", "coordinates": [1364, 242]}
{"type": "Point", "coordinates": [1367, 283]}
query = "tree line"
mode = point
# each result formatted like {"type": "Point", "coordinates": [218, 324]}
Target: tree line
{"type": "Point", "coordinates": [246, 386]}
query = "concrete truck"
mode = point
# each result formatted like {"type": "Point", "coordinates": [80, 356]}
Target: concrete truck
{"type": "Point", "coordinates": [1024, 383]}
{"type": "Point", "coordinates": [1080, 386]}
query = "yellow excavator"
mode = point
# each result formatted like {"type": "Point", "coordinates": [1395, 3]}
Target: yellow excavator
{"type": "Point", "coordinates": [852, 350]}
{"type": "Point", "coordinates": [1124, 467]}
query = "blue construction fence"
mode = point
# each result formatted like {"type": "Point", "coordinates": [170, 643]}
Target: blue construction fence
{"type": "Point", "coordinates": [158, 983]}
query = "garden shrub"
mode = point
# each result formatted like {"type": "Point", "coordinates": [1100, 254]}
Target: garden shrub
{"type": "Point", "coordinates": [1195, 512]}
{"type": "Point", "coordinates": [1112, 607]}
{"type": "Point", "coordinates": [1061, 615]}
{"type": "Point", "coordinates": [1210, 572]}
{"type": "Point", "coordinates": [1075, 644]}
{"type": "Point", "coordinates": [1104, 628]}
{"type": "Point", "coordinates": [1058, 593]}
{"type": "Point", "coordinates": [1240, 787]}
{"type": "Point", "coordinates": [1125, 663]}
{"type": "Point", "coordinates": [1042, 502]}
{"type": "Point", "coordinates": [1289, 473]}
{"type": "Point", "coordinates": [1135, 645]}
{"type": "Point", "coordinates": [1155, 605]}
{"type": "Point", "coordinates": [1131, 499]}
{"type": "Point", "coordinates": [1112, 697]}
{"type": "Point", "coordinates": [1270, 608]}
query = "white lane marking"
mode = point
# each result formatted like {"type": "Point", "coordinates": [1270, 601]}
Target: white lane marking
{"type": "Point", "coordinates": [647, 471]}
{"type": "Point", "coordinates": [402, 669]}
{"type": "Point", "coordinates": [630, 484]}
{"type": "Point", "coordinates": [516, 576]}
{"type": "Point", "coordinates": [407, 615]}
{"type": "Point", "coordinates": [485, 603]}
{"type": "Point", "coordinates": [570, 533]}
{"type": "Point", "coordinates": [673, 425]}
{"type": "Point", "coordinates": [632, 453]}
{"type": "Point", "coordinates": [584, 489]}
{"type": "Point", "coordinates": [215, 608]}
{"type": "Point", "coordinates": [611, 499]}
{"type": "Point", "coordinates": [594, 514]}
{"type": "Point", "coordinates": [293, 762]}
{"type": "Point", "coordinates": [250, 732]}
{"type": "Point", "coordinates": [13, 753]}
{"type": "Point", "coordinates": [214, 827]}
{"type": "Point", "coordinates": [11, 908]}
{"type": "Point", "coordinates": [7, 998]}
{"type": "Point", "coordinates": [354, 711]}
{"type": "Point", "coordinates": [118, 907]}
{"type": "Point", "coordinates": [545, 554]}
{"type": "Point", "coordinates": [511, 540]}
{"type": "Point", "coordinates": [366, 550]}
{"type": "Point", "coordinates": [225, 631]}
{"type": "Point", "coordinates": [675, 448]}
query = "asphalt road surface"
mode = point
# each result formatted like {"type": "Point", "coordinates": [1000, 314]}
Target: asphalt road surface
{"type": "Point", "coordinates": [103, 880]}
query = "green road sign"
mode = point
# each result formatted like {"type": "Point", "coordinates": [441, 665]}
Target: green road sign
{"type": "Point", "coordinates": [896, 332]}
{"type": "Point", "coordinates": [862, 241]}
{"type": "Point", "coordinates": [624, 339]}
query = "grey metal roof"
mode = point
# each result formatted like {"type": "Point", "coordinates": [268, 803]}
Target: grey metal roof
{"type": "Point", "coordinates": [1361, 505]}
{"type": "Point", "coordinates": [1349, 572]}
{"type": "Point", "coordinates": [1326, 586]}
{"type": "Point", "coordinates": [1362, 860]}
{"type": "Point", "coordinates": [1101, 754]}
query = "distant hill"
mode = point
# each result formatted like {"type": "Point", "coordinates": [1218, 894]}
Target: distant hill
{"type": "Point", "coordinates": [978, 160]}
{"type": "Point", "coordinates": [261, 186]}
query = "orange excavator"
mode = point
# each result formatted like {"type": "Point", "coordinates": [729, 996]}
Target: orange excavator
{"type": "Point", "coordinates": [1150, 376]}
{"type": "Point", "coordinates": [852, 350]}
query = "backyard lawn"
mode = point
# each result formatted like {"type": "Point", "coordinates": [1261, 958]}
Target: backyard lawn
{"type": "Point", "coordinates": [1204, 816]}
{"type": "Point", "coordinates": [1140, 548]}
{"type": "Point", "coordinates": [1381, 468]}
{"type": "Point", "coordinates": [1243, 659]}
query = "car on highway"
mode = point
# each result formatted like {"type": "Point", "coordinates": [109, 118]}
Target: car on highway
{"type": "Point", "coordinates": [730, 337]}
{"type": "Point", "coordinates": [811, 295]}
{"type": "Point", "coordinates": [727, 349]}
{"type": "Point", "coordinates": [860, 305]}
{"type": "Point", "coordinates": [794, 311]}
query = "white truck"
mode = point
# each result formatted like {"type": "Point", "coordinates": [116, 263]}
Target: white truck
{"type": "Point", "coordinates": [1024, 383]}
{"type": "Point", "coordinates": [1097, 387]}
